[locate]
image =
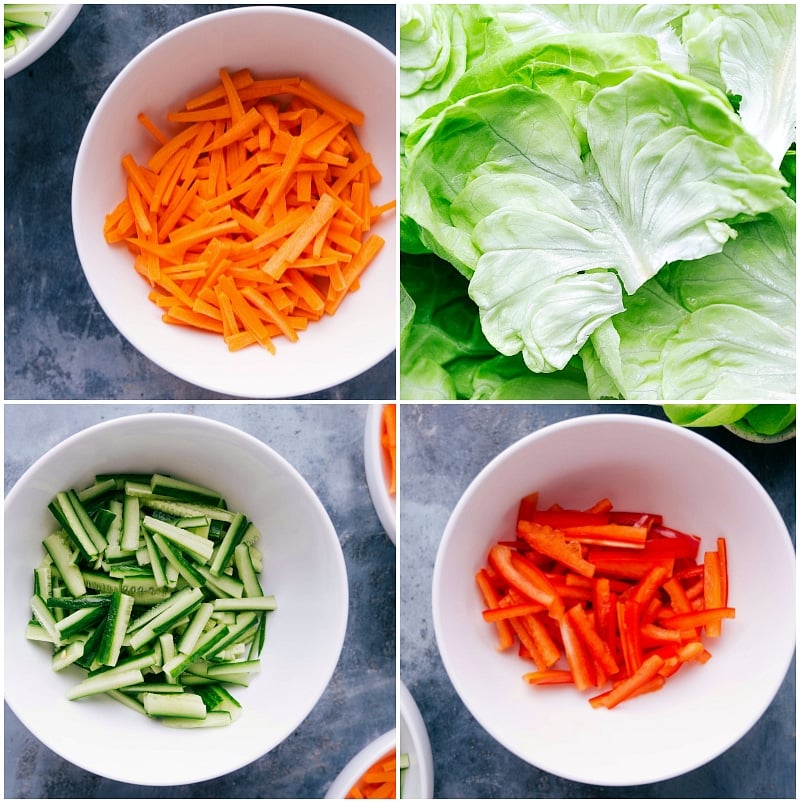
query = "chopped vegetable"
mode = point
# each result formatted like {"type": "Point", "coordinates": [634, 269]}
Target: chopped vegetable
{"type": "Point", "coordinates": [379, 782]}
{"type": "Point", "coordinates": [603, 600]}
{"type": "Point", "coordinates": [389, 443]}
{"type": "Point", "coordinates": [253, 216]}
{"type": "Point", "coordinates": [150, 584]}
{"type": "Point", "coordinates": [20, 20]}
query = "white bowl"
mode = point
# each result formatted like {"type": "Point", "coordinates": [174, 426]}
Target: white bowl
{"type": "Point", "coordinates": [303, 565]}
{"type": "Point", "coordinates": [414, 740]}
{"type": "Point", "coordinates": [359, 764]}
{"type": "Point", "coordinates": [640, 464]}
{"type": "Point", "coordinates": [376, 465]}
{"type": "Point", "coordinates": [40, 41]}
{"type": "Point", "coordinates": [270, 41]}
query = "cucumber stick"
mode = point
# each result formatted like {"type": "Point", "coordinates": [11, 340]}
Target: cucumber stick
{"type": "Point", "coordinates": [150, 585]}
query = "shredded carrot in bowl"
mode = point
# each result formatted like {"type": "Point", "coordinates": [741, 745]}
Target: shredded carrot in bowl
{"type": "Point", "coordinates": [254, 218]}
{"type": "Point", "coordinates": [379, 782]}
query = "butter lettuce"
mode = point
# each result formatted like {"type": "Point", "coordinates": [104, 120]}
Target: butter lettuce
{"type": "Point", "coordinates": [602, 201]}
{"type": "Point", "coordinates": [750, 51]}
{"type": "Point", "coordinates": [723, 327]}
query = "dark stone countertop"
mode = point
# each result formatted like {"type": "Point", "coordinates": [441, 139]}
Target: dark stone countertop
{"type": "Point", "coordinates": [442, 448]}
{"type": "Point", "coordinates": [324, 443]}
{"type": "Point", "coordinates": [59, 344]}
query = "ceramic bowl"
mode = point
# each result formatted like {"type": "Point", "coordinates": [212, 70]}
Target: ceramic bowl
{"type": "Point", "coordinates": [640, 464]}
{"type": "Point", "coordinates": [414, 741]}
{"type": "Point", "coordinates": [359, 764]}
{"type": "Point", "coordinates": [40, 41]}
{"type": "Point", "coordinates": [376, 466]}
{"type": "Point", "coordinates": [270, 41]}
{"type": "Point", "coordinates": [303, 564]}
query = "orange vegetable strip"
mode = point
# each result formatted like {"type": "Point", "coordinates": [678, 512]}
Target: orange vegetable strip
{"type": "Point", "coordinates": [369, 250]}
{"type": "Point", "coordinates": [389, 442]}
{"type": "Point", "coordinates": [326, 102]}
{"type": "Point", "coordinates": [221, 112]}
{"type": "Point", "coordinates": [553, 543]}
{"type": "Point", "coordinates": [188, 317]}
{"type": "Point", "coordinates": [260, 301]}
{"type": "Point", "coordinates": [548, 677]}
{"type": "Point", "coordinates": [234, 101]}
{"type": "Point", "coordinates": [137, 208]}
{"type": "Point", "coordinates": [592, 640]}
{"type": "Point", "coordinates": [240, 79]}
{"type": "Point", "coordinates": [608, 534]}
{"type": "Point", "coordinates": [682, 621]}
{"type": "Point", "coordinates": [306, 290]}
{"type": "Point", "coordinates": [722, 557]}
{"type": "Point", "coordinates": [576, 655]}
{"type": "Point", "coordinates": [268, 87]}
{"type": "Point", "coordinates": [643, 675]}
{"type": "Point", "coordinates": [491, 600]}
{"type": "Point", "coordinates": [244, 125]}
{"type": "Point", "coordinates": [246, 314]}
{"type": "Point", "coordinates": [143, 180]}
{"type": "Point", "coordinates": [712, 591]}
{"type": "Point", "coordinates": [511, 611]}
{"type": "Point", "coordinates": [182, 138]}
{"type": "Point", "coordinates": [376, 211]}
{"type": "Point", "coordinates": [148, 123]}
{"type": "Point", "coordinates": [301, 236]}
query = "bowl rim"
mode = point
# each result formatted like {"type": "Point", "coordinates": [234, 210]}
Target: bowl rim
{"type": "Point", "coordinates": [374, 467]}
{"type": "Point", "coordinates": [44, 39]}
{"type": "Point", "coordinates": [338, 560]}
{"type": "Point", "coordinates": [360, 763]}
{"type": "Point", "coordinates": [411, 716]}
{"type": "Point", "coordinates": [520, 444]}
{"type": "Point", "coordinates": [302, 383]}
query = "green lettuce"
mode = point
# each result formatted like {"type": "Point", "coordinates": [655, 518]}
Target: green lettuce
{"type": "Point", "coordinates": [750, 52]}
{"type": "Point", "coordinates": [723, 327]}
{"type": "Point", "coordinates": [599, 200]}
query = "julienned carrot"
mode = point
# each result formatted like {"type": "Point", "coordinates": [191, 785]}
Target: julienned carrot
{"type": "Point", "coordinates": [253, 216]}
{"type": "Point", "coordinates": [624, 616]}
{"type": "Point", "coordinates": [389, 442]}
{"type": "Point", "coordinates": [379, 782]}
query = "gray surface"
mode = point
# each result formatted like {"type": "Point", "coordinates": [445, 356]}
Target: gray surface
{"type": "Point", "coordinates": [59, 344]}
{"type": "Point", "coordinates": [324, 443]}
{"type": "Point", "coordinates": [442, 448]}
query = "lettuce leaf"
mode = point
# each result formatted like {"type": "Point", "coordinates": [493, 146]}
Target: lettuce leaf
{"type": "Point", "coordinates": [750, 52]}
{"type": "Point", "coordinates": [723, 327]}
{"type": "Point", "coordinates": [499, 186]}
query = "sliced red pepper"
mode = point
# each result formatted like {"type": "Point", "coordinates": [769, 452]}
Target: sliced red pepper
{"type": "Point", "coordinates": [633, 517]}
{"type": "Point", "coordinates": [579, 664]}
{"type": "Point", "coordinates": [502, 558]}
{"type": "Point", "coordinates": [540, 635]}
{"type": "Point", "coordinates": [527, 506]}
{"type": "Point", "coordinates": [644, 591]}
{"type": "Point", "coordinates": [548, 677]}
{"type": "Point", "coordinates": [565, 518]}
{"type": "Point", "coordinates": [529, 570]}
{"type": "Point", "coordinates": [722, 551]}
{"type": "Point", "coordinates": [712, 590]}
{"type": "Point", "coordinates": [551, 542]}
{"type": "Point", "coordinates": [501, 612]}
{"type": "Point", "coordinates": [594, 643]}
{"type": "Point", "coordinates": [491, 600]}
{"type": "Point", "coordinates": [607, 534]}
{"type": "Point", "coordinates": [683, 621]}
{"type": "Point", "coordinates": [636, 682]}
{"type": "Point", "coordinates": [633, 567]}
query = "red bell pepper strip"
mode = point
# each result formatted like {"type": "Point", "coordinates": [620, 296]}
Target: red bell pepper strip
{"type": "Point", "coordinates": [548, 677]}
{"type": "Point", "coordinates": [491, 600]}
{"type": "Point", "coordinates": [712, 590]}
{"type": "Point", "coordinates": [564, 518]}
{"type": "Point", "coordinates": [502, 559]}
{"type": "Point", "coordinates": [722, 551]}
{"type": "Point", "coordinates": [511, 610]}
{"type": "Point", "coordinates": [594, 643]}
{"type": "Point", "coordinates": [608, 534]}
{"type": "Point", "coordinates": [527, 506]}
{"type": "Point", "coordinates": [682, 621]}
{"type": "Point", "coordinates": [577, 659]}
{"type": "Point", "coordinates": [551, 542]}
{"type": "Point", "coordinates": [626, 688]}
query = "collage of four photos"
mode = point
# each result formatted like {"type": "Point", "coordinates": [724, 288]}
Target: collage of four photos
{"type": "Point", "coordinates": [399, 401]}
